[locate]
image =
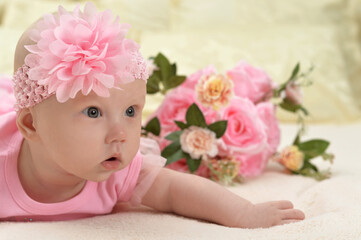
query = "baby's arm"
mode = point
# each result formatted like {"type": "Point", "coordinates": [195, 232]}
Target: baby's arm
{"type": "Point", "coordinates": [196, 197]}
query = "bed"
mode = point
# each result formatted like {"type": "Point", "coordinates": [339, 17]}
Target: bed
{"type": "Point", "coordinates": [273, 35]}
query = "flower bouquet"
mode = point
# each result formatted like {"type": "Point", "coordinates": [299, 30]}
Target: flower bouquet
{"type": "Point", "coordinates": [224, 126]}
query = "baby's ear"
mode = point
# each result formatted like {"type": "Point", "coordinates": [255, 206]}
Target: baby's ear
{"type": "Point", "coordinates": [25, 123]}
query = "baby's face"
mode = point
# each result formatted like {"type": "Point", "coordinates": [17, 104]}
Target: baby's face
{"type": "Point", "coordinates": [90, 136]}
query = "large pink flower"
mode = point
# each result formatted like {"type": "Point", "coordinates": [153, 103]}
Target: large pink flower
{"type": "Point", "coordinates": [246, 132]}
{"type": "Point", "coordinates": [254, 164]}
{"type": "Point", "coordinates": [251, 82]}
{"type": "Point", "coordinates": [82, 51]}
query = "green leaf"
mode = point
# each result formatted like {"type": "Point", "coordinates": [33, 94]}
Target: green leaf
{"type": "Point", "coordinates": [308, 165]}
{"type": "Point", "coordinates": [304, 110]}
{"type": "Point", "coordinates": [194, 116]}
{"type": "Point", "coordinates": [153, 84]}
{"type": "Point", "coordinates": [193, 164]}
{"type": "Point", "coordinates": [173, 81]}
{"type": "Point", "coordinates": [288, 105]}
{"type": "Point", "coordinates": [219, 128]}
{"type": "Point", "coordinates": [174, 136]}
{"type": "Point", "coordinates": [181, 125]}
{"type": "Point", "coordinates": [297, 138]}
{"type": "Point", "coordinates": [313, 148]}
{"type": "Point", "coordinates": [153, 126]}
{"type": "Point", "coordinates": [164, 66]}
{"type": "Point", "coordinates": [295, 71]}
{"type": "Point", "coordinates": [171, 149]}
{"type": "Point", "coordinates": [173, 68]}
{"type": "Point", "coordinates": [178, 155]}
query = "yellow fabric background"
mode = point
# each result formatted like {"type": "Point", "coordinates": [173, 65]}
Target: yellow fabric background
{"type": "Point", "coordinates": [274, 35]}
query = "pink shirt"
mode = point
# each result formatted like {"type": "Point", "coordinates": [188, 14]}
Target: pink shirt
{"type": "Point", "coordinates": [128, 184]}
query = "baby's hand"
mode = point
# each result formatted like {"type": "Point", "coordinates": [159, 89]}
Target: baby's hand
{"type": "Point", "coordinates": [270, 214]}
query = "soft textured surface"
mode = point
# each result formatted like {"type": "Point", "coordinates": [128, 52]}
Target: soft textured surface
{"type": "Point", "coordinates": [332, 207]}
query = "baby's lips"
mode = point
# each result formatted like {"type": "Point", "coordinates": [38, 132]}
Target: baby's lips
{"type": "Point", "coordinates": [112, 162]}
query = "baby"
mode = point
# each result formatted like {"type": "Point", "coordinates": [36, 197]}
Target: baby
{"type": "Point", "coordinates": [71, 148]}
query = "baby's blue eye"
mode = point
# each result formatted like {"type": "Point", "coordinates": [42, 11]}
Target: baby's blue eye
{"type": "Point", "coordinates": [92, 112]}
{"type": "Point", "coordinates": [130, 111]}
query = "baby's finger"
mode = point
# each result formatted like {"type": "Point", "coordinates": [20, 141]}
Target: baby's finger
{"type": "Point", "coordinates": [284, 204]}
{"type": "Point", "coordinates": [290, 214]}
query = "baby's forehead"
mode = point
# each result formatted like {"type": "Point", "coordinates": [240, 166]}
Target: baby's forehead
{"type": "Point", "coordinates": [120, 94]}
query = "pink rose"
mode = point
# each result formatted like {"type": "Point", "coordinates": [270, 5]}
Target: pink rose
{"type": "Point", "coordinates": [251, 82]}
{"type": "Point", "coordinates": [253, 165]}
{"type": "Point", "coordinates": [246, 132]}
{"type": "Point", "coordinates": [192, 80]}
{"type": "Point", "coordinates": [174, 107]}
{"type": "Point", "coordinates": [209, 114]}
{"type": "Point", "coordinates": [267, 113]}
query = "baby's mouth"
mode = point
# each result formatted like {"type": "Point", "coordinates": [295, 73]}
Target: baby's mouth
{"type": "Point", "coordinates": [111, 163]}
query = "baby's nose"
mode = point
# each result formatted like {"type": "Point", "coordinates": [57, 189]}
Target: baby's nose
{"type": "Point", "coordinates": [116, 134]}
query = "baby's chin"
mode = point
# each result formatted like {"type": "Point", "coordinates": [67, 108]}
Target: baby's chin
{"type": "Point", "coordinates": [100, 177]}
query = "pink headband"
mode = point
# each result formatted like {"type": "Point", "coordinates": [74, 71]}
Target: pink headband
{"type": "Point", "coordinates": [79, 51]}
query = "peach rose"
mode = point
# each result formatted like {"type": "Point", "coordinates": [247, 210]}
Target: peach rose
{"type": "Point", "coordinates": [292, 158]}
{"type": "Point", "coordinates": [251, 82]}
{"type": "Point", "coordinates": [214, 91]}
{"type": "Point", "coordinates": [199, 142]}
